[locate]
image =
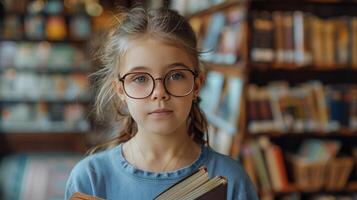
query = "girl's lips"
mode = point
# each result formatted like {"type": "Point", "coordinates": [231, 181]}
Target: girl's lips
{"type": "Point", "coordinates": [161, 111]}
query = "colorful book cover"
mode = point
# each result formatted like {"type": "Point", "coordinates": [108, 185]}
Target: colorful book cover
{"type": "Point", "coordinates": [212, 37]}
{"type": "Point", "coordinates": [35, 27]}
{"type": "Point", "coordinates": [56, 28]}
{"type": "Point", "coordinates": [13, 28]}
{"type": "Point", "coordinates": [229, 109]}
{"type": "Point", "coordinates": [8, 52]}
{"type": "Point", "coordinates": [80, 27]}
{"type": "Point", "coordinates": [211, 92]}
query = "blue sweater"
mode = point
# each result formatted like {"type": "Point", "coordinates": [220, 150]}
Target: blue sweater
{"type": "Point", "coordinates": [108, 175]}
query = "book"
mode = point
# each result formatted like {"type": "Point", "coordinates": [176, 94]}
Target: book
{"type": "Point", "coordinates": [30, 175]}
{"type": "Point", "coordinates": [35, 27]}
{"type": "Point", "coordinates": [211, 92]}
{"type": "Point", "coordinates": [260, 166]}
{"type": "Point", "coordinates": [196, 186]}
{"type": "Point", "coordinates": [248, 163]}
{"type": "Point", "coordinates": [291, 39]}
{"type": "Point", "coordinates": [79, 27]}
{"type": "Point", "coordinates": [262, 38]}
{"type": "Point", "coordinates": [12, 27]}
{"type": "Point", "coordinates": [212, 37]}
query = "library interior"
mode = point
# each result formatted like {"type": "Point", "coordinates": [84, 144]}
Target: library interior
{"type": "Point", "coordinates": [279, 94]}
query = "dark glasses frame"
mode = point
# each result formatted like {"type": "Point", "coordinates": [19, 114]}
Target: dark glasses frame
{"type": "Point", "coordinates": [122, 80]}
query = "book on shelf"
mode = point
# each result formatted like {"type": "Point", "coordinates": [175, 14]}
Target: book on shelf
{"type": "Point", "coordinates": [221, 103]}
{"type": "Point", "coordinates": [14, 6]}
{"type": "Point", "coordinates": [56, 28]}
{"type": "Point", "coordinates": [13, 28]}
{"type": "Point", "coordinates": [43, 117]}
{"type": "Point", "coordinates": [212, 36]}
{"type": "Point", "coordinates": [248, 163]}
{"type": "Point", "coordinates": [230, 44]}
{"type": "Point", "coordinates": [292, 39]}
{"type": "Point", "coordinates": [230, 103]}
{"type": "Point", "coordinates": [35, 27]}
{"type": "Point", "coordinates": [79, 27]}
{"type": "Point", "coordinates": [276, 168]}
{"type": "Point", "coordinates": [211, 92]}
{"type": "Point", "coordinates": [308, 107]}
{"type": "Point", "coordinates": [195, 186]}
{"type": "Point", "coordinates": [260, 166]}
{"type": "Point", "coordinates": [313, 150]}
{"type": "Point", "coordinates": [262, 38]}
{"type": "Point", "coordinates": [265, 164]}
{"type": "Point", "coordinates": [221, 35]}
{"type": "Point", "coordinates": [42, 56]}
{"type": "Point", "coordinates": [31, 176]}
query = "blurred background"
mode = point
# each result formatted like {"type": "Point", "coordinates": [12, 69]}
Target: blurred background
{"type": "Point", "coordinates": [281, 79]}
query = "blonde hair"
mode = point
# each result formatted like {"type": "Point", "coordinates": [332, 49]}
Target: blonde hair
{"type": "Point", "coordinates": [163, 24]}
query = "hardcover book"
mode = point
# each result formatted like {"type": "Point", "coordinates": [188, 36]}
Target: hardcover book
{"type": "Point", "coordinates": [196, 186]}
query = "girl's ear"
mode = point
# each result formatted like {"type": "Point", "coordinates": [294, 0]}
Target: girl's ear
{"type": "Point", "coordinates": [118, 87]}
{"type": "Point", "coordinates": [198, 84]}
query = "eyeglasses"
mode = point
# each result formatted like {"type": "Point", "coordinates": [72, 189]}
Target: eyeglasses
{"type": "Point", "coordinates": [177, 83]}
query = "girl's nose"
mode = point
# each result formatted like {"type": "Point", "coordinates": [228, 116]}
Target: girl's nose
{"type": "Point", "coordinates": [159, 91]}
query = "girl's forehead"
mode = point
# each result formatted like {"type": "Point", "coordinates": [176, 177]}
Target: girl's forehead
{"type": "Point", "coordinates": [150, 54]}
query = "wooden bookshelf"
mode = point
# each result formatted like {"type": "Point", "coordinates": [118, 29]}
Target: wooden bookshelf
{"type": "Point", "coordinates": [234, 70]}
{"type": "Point", "coordinates": [42, 142]}
{"type": "Point", "coordinates": [64, 66]}
{"type": "Point", "coordinates": [263, 76]}
{"type": "Point", "coordinates": [262, 73]}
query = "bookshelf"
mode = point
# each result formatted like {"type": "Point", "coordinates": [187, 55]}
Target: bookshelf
{"type": "Point", "coordinates": [42, 142]}
{"type": "Point", "coordinates": [297, 65]}
{"type": "Point", "coordinates": [301, 43]}
{"type": "Point", "coordinates": [44, 66]}
{"type": "Point", "coordinates": [220, 24]}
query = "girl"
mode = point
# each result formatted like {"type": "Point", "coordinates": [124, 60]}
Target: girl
{"type": "Point", "coordinates": [151, 79]}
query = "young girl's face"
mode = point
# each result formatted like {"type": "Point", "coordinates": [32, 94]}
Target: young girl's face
{"type": "Point", "coordinates": [158, 111]}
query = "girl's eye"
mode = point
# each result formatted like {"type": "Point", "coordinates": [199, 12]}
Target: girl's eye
{"type": "Point", "coordinates": [140, 79]}
{"type": "Point", "coordinates": [176, 76]}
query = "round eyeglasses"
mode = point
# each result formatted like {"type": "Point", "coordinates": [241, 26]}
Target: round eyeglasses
{"type": "Point", "coordinates": [177, 83]}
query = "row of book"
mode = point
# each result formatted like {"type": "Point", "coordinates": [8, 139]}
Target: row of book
{"type": "Point", "coordinates": [314, 165]}
{"type": "Point", "coordinates": [309, 107]}
{"type": "Point", "coordinates": [35, 176]}
{"type": "Point", "coordinates": [221, 35]}
{"type": "Point", "coordinates": [293, 39]}
{"type": "Point", "coordinates": [39, 27]}
{"type": "Point", "coordinates": [221, 103]}
{"type": "Point", "coordinates": [221, 97]}
{"type": "Point", "coordinates": [265, 164]}
{"type": "Point", "coordinates": [43, 117]}
{"type": "Point", "coordinates": [47, 7]}
{"type": "Point", "coordinates": [19, 85]}
{"type": "Point", "coordinates": [42, 55]}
